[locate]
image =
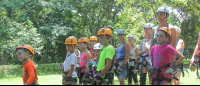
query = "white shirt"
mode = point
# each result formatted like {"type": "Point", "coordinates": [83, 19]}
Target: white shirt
{"type": "Point", "coordinates": [71, 59]}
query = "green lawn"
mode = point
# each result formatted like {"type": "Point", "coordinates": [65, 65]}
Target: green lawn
{"type": "Point", "coordinates": [56, 79]}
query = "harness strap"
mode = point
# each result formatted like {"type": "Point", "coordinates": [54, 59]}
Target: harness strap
{"type": "Point", "coordinates": [143, 59]}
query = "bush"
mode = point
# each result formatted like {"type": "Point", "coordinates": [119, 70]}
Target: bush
{"type": "Point", "coordinates": [42, 69]}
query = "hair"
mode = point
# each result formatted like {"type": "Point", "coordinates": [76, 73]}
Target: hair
{"type": "Point", "coordinates": [26, 50]}
{"type": "Point", "coordinates": [88, 47]}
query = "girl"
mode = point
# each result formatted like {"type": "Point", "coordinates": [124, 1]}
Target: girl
{"type": "Point", "coordinates": [93, 41]}
{"type": "Point", "coordinates": [84, 59]}
{"type": "Point", "coordinates": [69, 74]}
{"type": "Point", "coordinates": [132, 60]}
{"type": "Point", "coordinates": [162, 54]}
{"type": "Point", "coordinates": [123, 53]}
{"type": "Point", "coordinates": [144, 53]}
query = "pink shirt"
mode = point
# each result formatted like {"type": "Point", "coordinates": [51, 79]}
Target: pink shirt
{"type": "Point", "coordinates": [83, 60]}
{"type": "Point", "coordinates": [162, 55]}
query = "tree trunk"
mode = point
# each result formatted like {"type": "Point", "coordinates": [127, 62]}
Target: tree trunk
{"type": "Point", "coordinates": [6, 56]}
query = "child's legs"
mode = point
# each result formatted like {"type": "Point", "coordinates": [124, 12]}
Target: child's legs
{"type": "Point", "coordinates": [150, 79]}
{"type": "Point", "coordinates": [143, 73]}
{"type": "Point", "coordinates": [178, 74]}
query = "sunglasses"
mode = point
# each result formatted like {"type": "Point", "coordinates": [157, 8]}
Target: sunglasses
{"type": "Point", "coordinates": [120, 35]}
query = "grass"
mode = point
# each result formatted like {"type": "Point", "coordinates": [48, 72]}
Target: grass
{"type": "Point", "coordinates": [56, 79]}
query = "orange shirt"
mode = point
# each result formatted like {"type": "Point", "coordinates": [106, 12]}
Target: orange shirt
{"type": "Point", "coordinates": [30, 68]}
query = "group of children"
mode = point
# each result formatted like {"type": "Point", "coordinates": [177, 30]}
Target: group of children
{"type": "Point", "coordinates": [159, 54]}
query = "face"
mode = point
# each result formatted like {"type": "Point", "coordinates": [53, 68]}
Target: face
{"type": "Point", "coordinates": [101, 39]}
{"type": "Point", "coordinates": [97, 52]}
{"type": "Point", "coordinates": [93, 42]}
{"type": "Point", "coordinates": [131, 40]}
{"type": "Point", "coordinates": [160, 16]}
{"type": "Point", "coordinates": [121, 36]}
{"type": "Point", "coordinates": [161, 37]}
{"type": "Point", "coordinates": [147, 31]}
{"type": "Point", "coordinates": [69, 47]}
{"type": "Point", "coordinates": [20, 55]}
{"type": "Point", "coordinates": [177, 34]}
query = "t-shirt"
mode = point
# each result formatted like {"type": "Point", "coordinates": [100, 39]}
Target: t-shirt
{"type": "Point", "coordinates": [83, 60]}
{"type": "Point", "coordinates": [108, 52]}
{"type": "Point", "coordinates": [162, 55]}
{"type": "Point", "coordinates": [71, 59]}
{"type": "Point", "coordinates": [30, 68]}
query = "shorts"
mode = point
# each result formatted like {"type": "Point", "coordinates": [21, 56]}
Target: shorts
{"type": "Point", "coordinates": [123, 74]}
{"type": "Point", "coordinates": [166, 75]}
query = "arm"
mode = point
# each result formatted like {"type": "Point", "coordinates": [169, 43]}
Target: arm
{"type": "Point", "coordinates": [136, 51]}
{"type": "Point", "coordinates": [180, 58]}
{"type": "Point", "coordinates": [173, 37]}
{"type": "Point", "coordinates": [88, 54]}
{"type": "Point", "coordinates": [195, 50]}
{"type": "Point", "coordinates": [140, 52]}
{"type": "Point", "coordinates": [107, 66]}
{"type": "Point", "coordinates": [128, 51]}
{"type": "Point", "coordinates": [31, 74]}
{"type": "Point", "coordinates": [71, 70]}
{"type": "Point", "coordinates": [152, 38]}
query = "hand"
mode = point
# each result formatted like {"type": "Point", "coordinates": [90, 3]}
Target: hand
{"type": "Point", "coordinates": [193, 67]}
{"type": "Point", "coordinates": [98, 78]}
{"type": "Point", "coordinates": [172, 70]}
{"type": "Point", "coordinates": [121, 68]}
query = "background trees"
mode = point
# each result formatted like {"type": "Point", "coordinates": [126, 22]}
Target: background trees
{"type": "Point", "coordinates": [45, 24]}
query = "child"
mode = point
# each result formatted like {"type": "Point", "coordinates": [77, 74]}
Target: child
{"type": "Point", "coordinates": [69, 74]}
{"type": "Point", "coordinates": [132, 60]}
{"type": "Point", "coordinates": [123, 53]}
{"type": "Point", "coordinates": [144, 54]}
{"type": "Point", "coordinates": [25, 52]}
{"type": "Point", "coordinates": [93, 41]}
{"type": "Point", "coordinates": [85, 58]}
{"type": "Point", "coordinates": [162, 54]}
{"type": "Point", "coordinates": [106, 57]}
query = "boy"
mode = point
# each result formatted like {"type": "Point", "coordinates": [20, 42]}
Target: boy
{"type": "Point", "coordinates": [25, 52]}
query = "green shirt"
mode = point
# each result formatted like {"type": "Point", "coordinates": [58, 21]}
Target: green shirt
{"type": "Point", "coordinates": [108, 52]}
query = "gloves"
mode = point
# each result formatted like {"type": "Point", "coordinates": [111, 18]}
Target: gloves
{"type": "Point", "coordinates": [121, 68]}
{"type": "Point", "coordinates": [27, 83]}
{"type": "Point", "coordinates": [193, 67]}
{"type": "Point", "coordinates": [98, 78]}
{"type": "Point", "coordinates": [87, 78]}
{"type": "Point", "coordinates": [91, 66]}
{"type": "Point", "coordinates": [172, 70]}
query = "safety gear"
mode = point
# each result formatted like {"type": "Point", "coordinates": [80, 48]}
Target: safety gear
{"type": "Point", "coordinates": [91, 66]}
{"type": "Point", "coordinates": [67, 80]}
{"type": "Point", "coordinates": [121, 68]}
{"type": "Point", "coordinates": [167, 30]}
{"type": "Point", "coordinates": [93, 38]}
{"type": "Point", "coordinates": [193, 67]}
{"type": "Point", "coordinates": [132, 36]}
{"type": "Point", "coordinates": [163, 9]}
{"type": "Point", "coordinates": [172, 70]}
{"type": "Point", "coordinates": [105, 31]}
{"type": "Point", "coordinates": [149, 25]}
{"type": "Point", "coordinates": [84, 39]}
{"type": "Point", "coordinates": [98, 78]}
{"type": "Point", "coordinates": [121, 31]}
{"type": "Point", "coordinates": [98, 46]}
{"type": "Point", "coordinates": [71, 40]}
{"type": "Point", "coordinates": [26, 46]}
{"type": "Point", "coordinates": [87, 78]}
{"type": "Point", "coordinates": [178, 29]}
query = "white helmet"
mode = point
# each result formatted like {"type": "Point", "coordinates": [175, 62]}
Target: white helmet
{"type": "Point", "coordinates": [132, 36]}
{"type": "Point", "coordinates": [163, 9]}
{"type": "Point", "coordinates": [121, 31]}
{"type": "Point", "coordinates": [178, 29]}
{"type": "Point", "coordinates": [97, 46]}
{"type": "Point", "coordinates": [149, 25]}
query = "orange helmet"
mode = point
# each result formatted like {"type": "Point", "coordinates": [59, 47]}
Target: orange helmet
{"type": "Point", "coordinates": [71, 40]}
{"type": "Point", "coordinates": [93, 38]}
{"type": "Point", "coordinates": [84, 39]}
{"type": "Point", "coordinates": [167, 30]}
{"type": "Point", "coordinates": [106, 31]}
{"type": "Point", "coordinates": [26, 46]}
